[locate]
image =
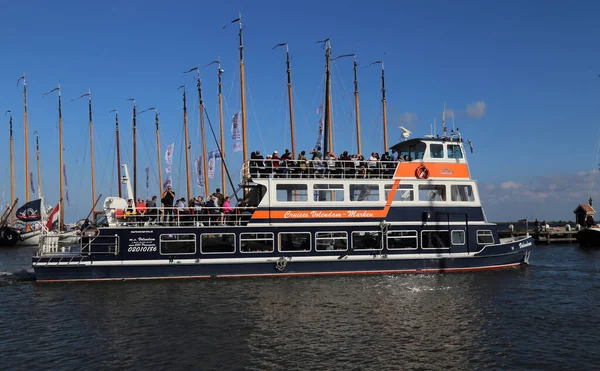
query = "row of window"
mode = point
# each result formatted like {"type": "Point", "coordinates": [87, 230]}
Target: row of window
{"type": "Point", "coordinates": [436, 150]}
{"type": "Point", "coordinates": [225, 243]}
{"type": "Point", "coordinates": [371, 192]}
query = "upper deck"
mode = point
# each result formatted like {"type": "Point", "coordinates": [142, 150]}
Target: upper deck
{"type": "Point", "coordinates": [421, 158]}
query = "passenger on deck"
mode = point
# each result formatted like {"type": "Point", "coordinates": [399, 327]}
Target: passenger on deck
{"type": "Point", "coordinates": [151, 210]}
{"type": "Point", "coordinates": [167, 199]}
{"type": "Point", "coordinates": [227, 211]}
{"type": "Point", "coordinates": [220, 196]}
{"type": "Point", "coordinates": [302, 163]}
{"type": "Point", "coordinates": [140, 208]}
{"type": "Point", "coordinates": [316, 154]}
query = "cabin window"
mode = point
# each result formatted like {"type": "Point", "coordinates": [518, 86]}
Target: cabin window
{"type": "Point", "coordinates": [435, 239]}
{"type": "Point", "coordinates": [364, 192]}
{"type": "Point", "coordinates": [432, 192]}
{"type": "Point", "coordinates": [416, 151]}
{"type": "Point", "coordinates": [485, 237]}
{"type": "Point", "coordinates": [328, 192]}
{"type": "Point", "coordinates": [458, 237]}
{"type": "Point", "coordinates": [462, 192]}
{"type": "Point", "coordinates": [221, 243]}
{"type": "Point", "coordinates": [436, 150]}
{"type": "Point", "coordinates": [256, 242]}
{"type": "Point", "coordinates": [398, 240]}
{"type": "Point", "coordinates": [177, 244]}
{"type": "Point", "coordinates": [331, 241]}
{"type": "Point", "coordinates": [292, 192]}
{"type": "Point", "coordinates": [366, 240]}
{"type": "Point", "coordinates": [294, 241]}
{"type": "Point", "coordinates": [404, 192]}
{"type": "Point", "coordinates": [454, 151]}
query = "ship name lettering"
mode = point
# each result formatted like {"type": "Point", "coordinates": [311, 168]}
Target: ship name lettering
{"type": "Point", "coordinates": [524, 244]}
{"type": "Point", "coordinates": [360, 214]}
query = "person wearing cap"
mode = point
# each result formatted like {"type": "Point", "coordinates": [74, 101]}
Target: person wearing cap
{"type": "Point", "coordinates": [167, 199]}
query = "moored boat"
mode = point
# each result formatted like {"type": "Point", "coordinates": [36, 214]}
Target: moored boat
{"type": "Point", "coordinates": [589, 237]}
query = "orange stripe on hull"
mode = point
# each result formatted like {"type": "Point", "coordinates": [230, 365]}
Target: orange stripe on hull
{"type": "Point", "coordinates": [436, 170]}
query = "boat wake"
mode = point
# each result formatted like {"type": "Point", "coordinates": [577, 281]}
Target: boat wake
{"type": "Point", "coordinates": [9, 278]}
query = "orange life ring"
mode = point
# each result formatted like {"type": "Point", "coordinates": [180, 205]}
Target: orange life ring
{"type": "Point", "coordinates": [422, 172]}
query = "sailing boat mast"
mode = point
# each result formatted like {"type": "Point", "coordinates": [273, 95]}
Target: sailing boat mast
{"type": "Point", "coordinates": [39, 169]}
{"type": "Point", "coordinates": [160, 183]}
{"type": "Point", "coordinates": [384, 107]}
{"type": "Point", "coordinates": [12, 165]}
{"type": "Point", "coordinates": [118, 150]}
{"type": "Point", "coordinates": [26, 134]}
{"type": "Point", "coordinates": [60, 158]}
{"type": "Point", "coordinates": [289, 88]}
{"type": "Point", "coordinates": [134, 150]}
{"type": "Point", "coordinates": [222, 125]}
{"type": "Point", "coordinates": [243, 98]}
{"type": "Point", "coordinates": [327, 130]}
{"type": "Point", "coordinates": [201, 113]}
{"type": "Point", "coordinates": [356, 106]}
{"type": "Point", "coordinates": [89, 95]}
{"type": "Point", "coordinates": [187, 144]}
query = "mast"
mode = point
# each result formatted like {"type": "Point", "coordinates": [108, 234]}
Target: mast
{"type": "Point", "coordinates": [243, 98]}
{"type": "Point", "coordinates": [327, 130]}
{"type": "Point", "coordinates": [201, 113]}
{"type": "Point", "coordinates": [444, 120]}
{"type": "Point", "coordinates": [187, 146]}
{"type": "Point", "coordinates": [356, 106]}
{"type": "Point", "coordinates": [289, 88]}
{"type": "Point", "coordinates": [26, 134]}
{"type": "Point", "coordinates": [222, 125]}
{"type": "Point", "coordinates": [12, 165]}
{"type": "Point", "coordinates": [89, 95]}
{"type": "Point", "coordinates": [60, 158]}
{"type": "Point", "coordinates": [39, 169]}
{"type": "Point", "coordinates": [384, 107]}
{"type": "Point", "coordinates": [118, 150]}
{"type": "Point", "coordinates": [134, 150]}
{"type": "Point", "coordinates": [160, 182]}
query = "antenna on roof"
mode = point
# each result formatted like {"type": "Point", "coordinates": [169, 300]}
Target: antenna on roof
{"type": "Point", "coordinates": [444, 120]}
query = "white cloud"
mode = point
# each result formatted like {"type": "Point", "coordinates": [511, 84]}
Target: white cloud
{"type": "Point", "coordinates": [510, 185]}
{"type": "Point", "coordinates": [407, 118]}
{"type": "Point", "coordinates": [476, 110]}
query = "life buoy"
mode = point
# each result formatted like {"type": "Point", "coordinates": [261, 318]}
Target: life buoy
{"type": "Point", "coordinates": [422, 172]}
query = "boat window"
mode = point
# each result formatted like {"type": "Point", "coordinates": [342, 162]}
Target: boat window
{"type": "Point", "coordinates": [416, 151]}
{"type": "Point", "coordinates": [328, 192]}
{"type": "Point", "coordinates": [221, 243]}
{"type": "Point", "coordinates": [256, 242]}
{"type": "Point", "coordinates": [462, 192]}
{"type": "Point", "coordinates": [177, 244]}
{"type": "Point", "coordinates": [292, 192]}
{"type": "Point", "coordinates": [299, 242]}
{"type": "Point", "coordinates": [331, 241]}
{"type": "Point", "coordinates": [432, 192]}
{"type": "Point", "coordinates": [435, 239]}
{"type": "Point", "coordinates": [458, 237]}
{"type": "Point", "coordinates": [454, 151]}
{"type": "Point", "coordinates": [366, 240]}
{"type": "Point", "coordinates": [485, 237]}
{"type": "Point", "coordinates": [364, 192]}
{"type": "Point", "coordinates": [403, 193]}
{"type": "Point", "coordinates": [436, 150]}
{"type": "Point", "coordinates": [397, 240]}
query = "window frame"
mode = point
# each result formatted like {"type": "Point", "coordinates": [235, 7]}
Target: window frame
{"type": "Point", "coordinates": [330, 238]}
{"type": "Point", "coordinates": [299, 187]}
{"type": "Point", "coordinates": [339, 187]}
{"type": "Point", "coordinates": [431, 186]}
{"type": "Point", "coordinates": [160, 242]}
{"type": "Point", "coordinates": [443, 151]}
{"type": "Point", "coordinates": [491, 234]}
{"type": "Point", "coordinates": [437, 231]}
{"type": "Point", "coordinates": [257, 239]}
{"type": "Point", "coordinates": [464, 239]}
{"type": "Point", "coordinates": [279, 234]}
{"type": "Point", "coordinates": [386, 192]}
{"type": "Point", "coordinates": [416, 237]}
{"type": "Point", "coordinates": [448, 151]}
{"type": "Point", "coordinates": [373, 187]}
{"type": "Point", "coordinates": [452, 194]}
{"type": "Point", "coordinates": [214, 253]}
{"type": "Point", "coordinates": [364, 232]}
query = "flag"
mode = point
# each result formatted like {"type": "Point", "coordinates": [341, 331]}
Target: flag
{"type": "Point", "coordinates": [31, 183]}
{"type": "Point", "coordinates": [31, 211]}
{"type": "Point", "coordinates": [320, 110]}
{"type": "Point", "coordinates": [67, 197]}
{"type": "Point", "coordinates": [212, 156]}
{"type": "Point", "coordinates": [169, 154]}
{"type": "Point", "coordinates": [237, 146]}
{"type": "Point", "coordinates": [236, 131]}
{"type": "Point", "coordinates": [320, 135]}
{"type": "Point", "coordinates": [168, 182]}
{"type": "Point", "coordinates": [168, 170]}
{"type": "Point", "coordinates": [54, 218]}
{"type": "Point", "coordinates": [66, 185]}
{"type": "Point", "coordinates": [199, 178]}
{"type": "Point", "coordinates": [147, 181]}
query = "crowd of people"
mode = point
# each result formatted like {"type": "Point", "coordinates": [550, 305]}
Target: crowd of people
{"type": "Point", "coordinates": [329, 165]}
{"type": "Point", "coordinates": [215, 210]}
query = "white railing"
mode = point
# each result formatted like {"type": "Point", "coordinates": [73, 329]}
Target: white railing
{"type": "Point", "coordinates": [184, 216]}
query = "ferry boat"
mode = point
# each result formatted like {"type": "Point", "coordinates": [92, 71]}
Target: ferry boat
{"type": "Point", "coordinates": [336, 217]}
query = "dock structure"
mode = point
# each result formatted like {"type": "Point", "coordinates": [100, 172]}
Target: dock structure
{"type": "Point", "coordinates": [547, 236]}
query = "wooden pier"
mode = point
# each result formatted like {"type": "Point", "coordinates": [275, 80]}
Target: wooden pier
{"type": "Point", "coordinates": [553, 235]}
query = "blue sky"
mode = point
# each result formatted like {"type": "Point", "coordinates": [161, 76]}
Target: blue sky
{"type": "Point", "coordinates": [528, 70]}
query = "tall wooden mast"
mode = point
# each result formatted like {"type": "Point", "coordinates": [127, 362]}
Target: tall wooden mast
{"type": "Point", "coordinates": [243, 97]}
{"type": "Point", "coordinates": [222, 125]}
{"type": "Point", "coordinates": [39, 167]}
{"type": "Point", "coordinates": [201, 113]}
{"type": "Point", "coordinates": [187, 145]}
{"type": "Point", "coordinates": [25, 134]}
{"type": "Point", "coordinates": [12, 165]}
{"type": "Point", "coordinates": [160, 182]}
{"type": "Point", "coordinates": [327, 129]}
{"type": "Point", "coordinates": [289, 88]}
{"type": "Point", "coordinates": [118, 151]}
{"type": "Point", "coordinates": [384, 107]}
{"type": "Point", "coordinates": [89, 95]}
{"type": "Point", "coordinates": [60, 158]}
{"type": "Point", "coordinates": [356, 106]}
{"type": "Point", "coordinates": [134, 150]}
